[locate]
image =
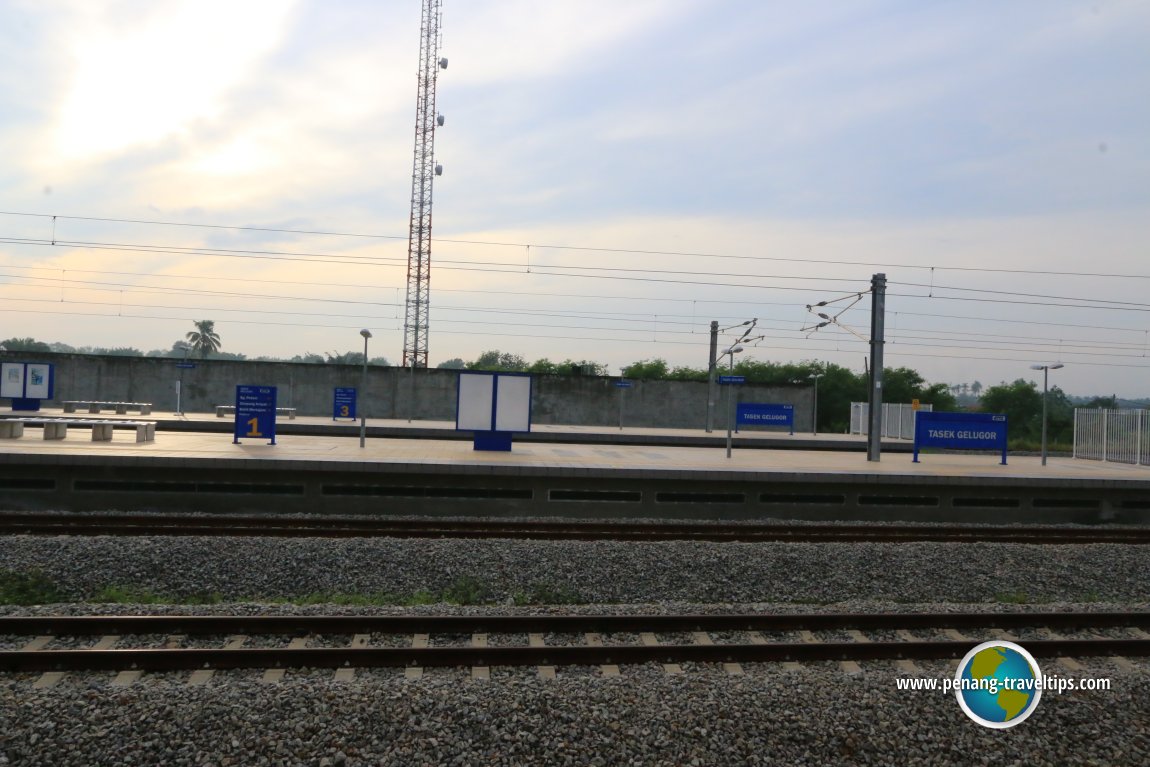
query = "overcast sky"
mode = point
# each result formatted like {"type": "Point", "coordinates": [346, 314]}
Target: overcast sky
{"type": "Point", "coordinates": [616, 176]}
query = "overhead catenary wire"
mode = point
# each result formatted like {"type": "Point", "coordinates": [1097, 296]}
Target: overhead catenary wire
{"type": "Point", "coordinates": [598, 249]}
{"type": "Point", "coordinates": [667, 321]}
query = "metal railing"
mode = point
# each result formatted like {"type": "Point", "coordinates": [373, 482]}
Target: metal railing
{"type": "Point", "coordinates": [1120, 436]}
{"type": "Point", "coordinates": [897, 419]}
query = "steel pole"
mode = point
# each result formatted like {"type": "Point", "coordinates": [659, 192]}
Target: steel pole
{"type": "Point", "coordinates": [815, 415]}
{"type": "Point", "coordinates": [878, 309]}
{"type": "Point", "coordinates": [1045, 387]}
{"type": "Point", "coordinates": [711, 376]}
{"type": "Point", "coordinates": [363, 399]}
{"type": "Point", "coordinates": [730, 415]}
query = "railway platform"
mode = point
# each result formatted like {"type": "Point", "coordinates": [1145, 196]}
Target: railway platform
{"type": "Point", "coordinates": [585, 472]}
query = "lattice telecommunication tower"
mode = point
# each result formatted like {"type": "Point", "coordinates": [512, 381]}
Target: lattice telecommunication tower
{"type": "Point", "coordinates": [424, 171]}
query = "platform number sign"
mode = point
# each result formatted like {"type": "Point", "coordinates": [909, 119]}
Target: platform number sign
{"type": "Point", "coordinates": [343, 404]}
{"type": "Point", "coordinates": [255, 413]}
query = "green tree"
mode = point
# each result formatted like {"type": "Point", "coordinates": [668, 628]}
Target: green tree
{"type": "Point", "coordinates": [25, 345]}
{"type": "Point", "coordinates": [838, 388]}
{"type": "Point", "coordinates": [499, 362]}
{"type": "Point", "coordinates": [347, 358]}
{"type": "Point", "coordinates": [647, 370]}
{"type": "Point", "coordinates": [1021, 402]}
{"type": "Point", "coordinates": [204, 339]}
{"type": "Point", "coordinates": [1105, 403]}
{"type": "Point", "coordinates": [940, 397]}
{"type": "Point", "coordinates": [454, 363]}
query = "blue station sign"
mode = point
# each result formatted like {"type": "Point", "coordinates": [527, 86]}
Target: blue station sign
{"type": "Point", "coordinates": [623, 384]}
{"type": "Point", "coordinates": [343, 403]}
{"type": "Point", "coordinates": [960, 431]}
{"type": "Point", "coordinates": [255, 413]}
{"type": "Point", "coordinates": [764, 414]}
{"type": "Point", "coordinates": [732, 379]}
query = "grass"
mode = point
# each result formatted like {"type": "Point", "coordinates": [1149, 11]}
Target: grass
{"type": "Point", "coordinates": [546, 594]}
{"type": "Point", "coordinates": [28, 588]}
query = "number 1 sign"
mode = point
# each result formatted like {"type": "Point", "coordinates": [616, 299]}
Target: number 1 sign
{"type": "Point", "coordinates": [255, 413]}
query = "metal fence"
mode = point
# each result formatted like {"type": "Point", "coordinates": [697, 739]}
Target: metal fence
{"type": "Point", "coordinates": [897, 420]}
{"type": "Point", "coordinates": [1121, 436]}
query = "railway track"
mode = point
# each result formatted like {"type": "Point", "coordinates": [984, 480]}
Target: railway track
{"type": "Point", "coordinates": [24, 523]}
{"type": "Point", "coordinates": [523, 640]}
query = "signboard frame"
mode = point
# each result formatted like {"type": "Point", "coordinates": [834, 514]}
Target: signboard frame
{"type": "Point", "coordinates": [343, 403]}
{"type": "Point", "coordinates": [27, 384]}
{"type": "Point", "coordinates": [493, 406]}
{"type": "Point", "coordinates": [255, 413]}
{"type": "Point", "coordinates": [960, 431]}
{"type": "Point", "coordinates": [765, 414]}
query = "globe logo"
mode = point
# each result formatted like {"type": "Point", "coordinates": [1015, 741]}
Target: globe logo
{"type": "Point", "coordinates": [998, 684]}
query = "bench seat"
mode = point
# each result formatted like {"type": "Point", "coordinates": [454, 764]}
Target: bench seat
{"type": "Point", "coordinates": [96, 406]}
{"type": "Point", "coordinates": [57, 428]}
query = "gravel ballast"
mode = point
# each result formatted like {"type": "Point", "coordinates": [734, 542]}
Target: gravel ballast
{"type": "Point", "coordinates": [815, 715]}
{"type": "Point", "coordinates": [236, 569]}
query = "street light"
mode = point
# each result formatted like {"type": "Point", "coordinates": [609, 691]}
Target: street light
{"type": "Point", "coordinates": [1045, 380]}
{"type": "Point", "coordinates": [730, 410]}
{"type": "Point", "coordinates": [363, 399]}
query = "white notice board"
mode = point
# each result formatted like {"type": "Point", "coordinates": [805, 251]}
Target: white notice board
{"type": "Point", "coordinates": [513, 404]}
{"type": "Point", "coordinates": [12, 380]}
{"type": "Point", "coordinates": [499, 402]}
{"type": "Point", "coordinates": [38, 384]}
{"type": "Point", "coordinates": [476, 392]}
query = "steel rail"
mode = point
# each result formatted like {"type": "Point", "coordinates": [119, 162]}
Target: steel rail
{"type": "Point", "coordinates": [249, 525]}
{"type": "Point", "coordinates": [582, 655]}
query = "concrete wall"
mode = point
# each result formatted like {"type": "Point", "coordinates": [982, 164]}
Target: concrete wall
{"type": "Point", "coordinates": [588, 401]}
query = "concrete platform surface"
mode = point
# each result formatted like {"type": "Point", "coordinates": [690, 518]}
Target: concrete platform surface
{"type": "Point", "coordinates": [343, 452]}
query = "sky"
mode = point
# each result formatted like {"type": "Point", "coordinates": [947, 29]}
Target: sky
{"type": "Point", "coordinates": [616, 176]}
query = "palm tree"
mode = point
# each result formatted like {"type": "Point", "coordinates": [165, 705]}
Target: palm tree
{"type": "Point", "coordinates": [976, 388]}
{"type": "Point", "coordinates": [204, 339]}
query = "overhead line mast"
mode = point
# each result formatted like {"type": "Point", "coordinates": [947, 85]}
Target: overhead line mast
{"type": "Point", "coordinates": [424, 171]}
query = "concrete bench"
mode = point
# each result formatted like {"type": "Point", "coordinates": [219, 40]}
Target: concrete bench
{"type": "Point", "coordinates": [57, 428]}
{"type": "Point", "coordinates": [96, 406]}
{"type": "Point", "coordinates": [222, 410]}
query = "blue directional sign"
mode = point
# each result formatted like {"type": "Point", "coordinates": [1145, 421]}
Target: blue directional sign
{"type": "Point", "coordinates": [763, 414]}
{"type": "Point", "coordinates": [255, 413]}
{"type": "Point", "coordinates": [343, 404]}
{"type": "Point", "coordinates": [960, 431]}
{"type": "Point", "coordinates": [732, 379]}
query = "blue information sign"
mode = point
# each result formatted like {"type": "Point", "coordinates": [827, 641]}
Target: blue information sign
{"type": "Point", "coordinates": [186, 365]}
{"type": "Point", "coordinates": [732, 379]}
{"type": "Point", "coordinates": [960, 431]}
{"type": "Point", "coordinates": [623, 384]}
{"type": "Point", "coordinates": [255, 413]}
{"type": "Point", "coordinates": [343, 404]}
{"type": "Point", "coordinates": [763, 414]}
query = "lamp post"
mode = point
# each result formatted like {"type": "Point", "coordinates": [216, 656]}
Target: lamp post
{"type": "Point", "coordinates": [363, 399]}
{"type": "Point", "coordinates": [730, 353]}
{"type": "Point", "coordinates": [1045, 381]}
